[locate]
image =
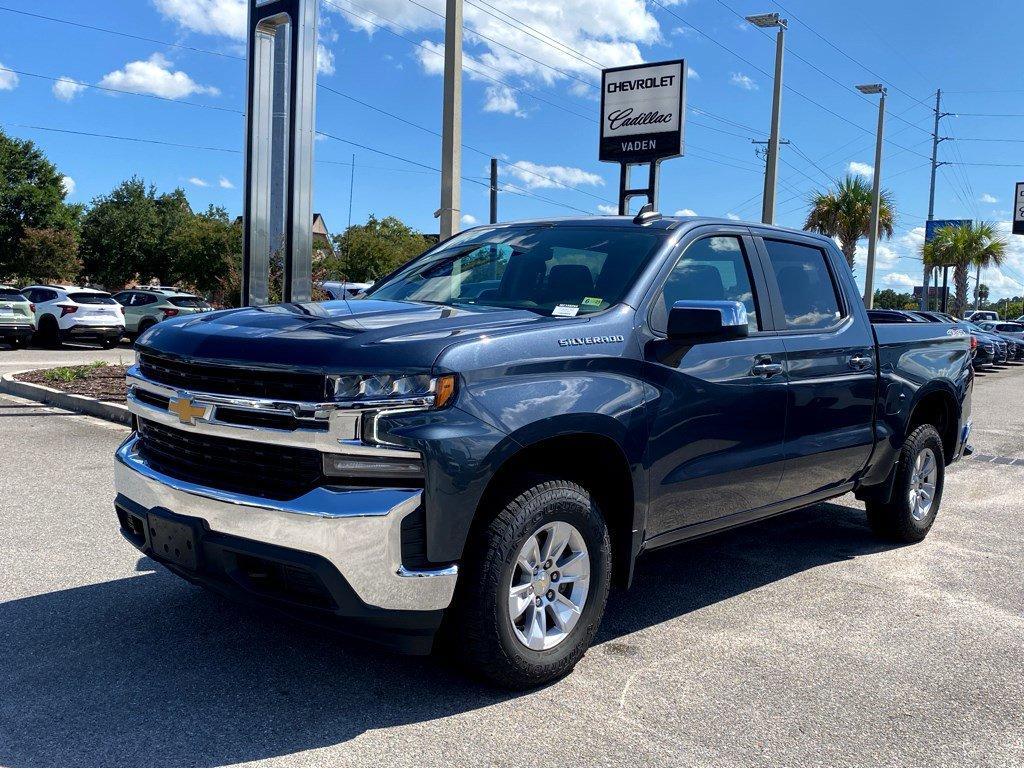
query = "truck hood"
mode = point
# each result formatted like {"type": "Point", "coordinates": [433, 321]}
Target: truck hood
{"type": "Point", "coordinates": [355, 335]}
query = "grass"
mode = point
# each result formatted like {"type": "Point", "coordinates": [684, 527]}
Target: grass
{"type": "Point", "coordinates": [67, 374]}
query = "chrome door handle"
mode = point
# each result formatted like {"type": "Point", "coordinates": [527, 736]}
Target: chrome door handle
{"type": "Point", "coordinates": [859, 362]}
{"type": "Point", "coordinates": [766, 369]}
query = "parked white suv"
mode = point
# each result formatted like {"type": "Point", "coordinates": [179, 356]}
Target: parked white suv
{"type": "Point", "coordinates": [979, 315]}
{"type": "Point", "coordinates": [73, 314]}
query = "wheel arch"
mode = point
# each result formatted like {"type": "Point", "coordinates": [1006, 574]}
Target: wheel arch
{"type": "Point", "coordinates": [595, 461]}
{"type": "Point", "coordinates": [938, 406]}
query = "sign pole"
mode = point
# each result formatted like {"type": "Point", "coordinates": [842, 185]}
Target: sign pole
{"type": "Point", "coordinates": [279, 175]}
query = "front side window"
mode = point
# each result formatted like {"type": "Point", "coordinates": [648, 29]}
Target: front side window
{"type": "Point", "coordinates": [561, 270]}
{"type": "Point", "coordinates": [809, 297]}
{"type": "Point", "coordinates": [712, 268]}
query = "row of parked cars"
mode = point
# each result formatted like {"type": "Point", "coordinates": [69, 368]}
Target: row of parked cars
{"type": "Point", "coordinates": [52, 314]}
{"type": "Point", "coordinates": [992, 340]}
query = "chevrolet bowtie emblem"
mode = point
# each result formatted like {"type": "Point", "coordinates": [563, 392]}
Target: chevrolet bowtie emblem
{"type": "Point", "coordinates": [186, 410]}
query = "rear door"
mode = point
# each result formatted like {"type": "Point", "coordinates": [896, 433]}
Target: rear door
{"type": "Point", "coordinates": [830, 360]}
{"type": "Point", "coordinates": [719, 408]}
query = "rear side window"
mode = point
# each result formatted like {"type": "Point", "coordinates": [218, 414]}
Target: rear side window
{"type": "Point", "coordinates": [809, 297]}
{"type": "Point", "coordinates": [187, 301]}
{"type": "Point", "coordinates": [712, 268]}
{"type": "Point", "coordinates": [90, 298]}
{"type": "Point", "coordinates": [11, 296]}
{"type": "Point", "coordinates": [1012, 328]}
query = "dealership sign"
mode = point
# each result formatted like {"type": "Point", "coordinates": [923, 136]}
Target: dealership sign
{"type": "Point", "coordinates": [1018, 210]}
{"type": "Point", "coordinates": [642, 112]}
{"type": "Point", "coordinates": [932, 225]}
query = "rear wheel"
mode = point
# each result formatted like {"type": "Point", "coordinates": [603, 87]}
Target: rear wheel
{"type": "Point", "coordinates": [49, 332]}
{"type": "Point", "coordinates": [145, 326]}
{"type": "Point", "coordinates": [535, 586]}
{"type": "Point", "coordinates": [917, 491]}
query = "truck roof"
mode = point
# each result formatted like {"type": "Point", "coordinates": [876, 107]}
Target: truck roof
{"type": "Point", "coordinates": [660, 223]}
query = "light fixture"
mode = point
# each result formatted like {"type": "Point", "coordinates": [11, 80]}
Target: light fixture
{"type": "Point", "coordinates": [766, 20]}
{"type": "Point", "coordinates": [871, 88]}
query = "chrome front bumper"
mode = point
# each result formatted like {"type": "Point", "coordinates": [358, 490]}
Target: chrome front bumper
{"type": "Point", "coordinates": [357, 530]}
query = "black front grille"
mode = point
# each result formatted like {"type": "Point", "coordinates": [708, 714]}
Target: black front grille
{"type": "Point", "coordinates": [257, 469]}
{"type": "Point", "coordinates": [230, 380]}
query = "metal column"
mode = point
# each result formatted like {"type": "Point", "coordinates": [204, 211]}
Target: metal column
{"type": "Point", "coordinates": [279, 175]}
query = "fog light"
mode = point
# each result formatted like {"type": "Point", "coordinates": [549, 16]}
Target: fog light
{"type": "Point", "coordinates": [352, 466]}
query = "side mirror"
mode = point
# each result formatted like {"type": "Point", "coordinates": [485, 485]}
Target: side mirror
{"type": "Point", "coordinates": [698, 320]}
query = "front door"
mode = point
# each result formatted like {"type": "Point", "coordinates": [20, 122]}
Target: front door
{"type": "Point", "coordinates": [718, 418]}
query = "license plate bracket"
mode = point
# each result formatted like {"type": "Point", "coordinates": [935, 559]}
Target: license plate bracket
{"type": "Point", "coordinates": [173, 541]}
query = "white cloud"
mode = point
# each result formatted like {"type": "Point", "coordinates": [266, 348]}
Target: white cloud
{"type": "Point", "coordinates": [502, 99]}
{"type": "Point", "coordinates": [691, 74]}
{"type": "Point", "coordinates": [195, 180]}
{"type": "Point", "coordinates": [66, 89]}
{"type": "Point", "coordinates": [607, 209]}
{"type": "Point", "coordinates": [732, 216]}
{"type": "Point", "coordinates": [607, 31]}
{"type": "Point", "coordinates": [886, 257]}
{"type": "Point", "coordinates": [225, 183]}
{"type": "Point", "coordinates": [861, 169]}
{"type": "Point", "coordinates": [899, 280]}
{"type": "Point", "coordinates": [745, 82]}
{"type": "Point", "coordinates": [154, 76]}
{"type": "Point", "coordinates": [8, 80]}
{"type": "Point", "coordinates": [209, 17]}
{"type": "Point", "coordinates": [987, 198]}
{"type": "Point", "coordinates": [534, 175]}
{"type": "Point", "coordinates": [324, 60]}
{"type": "Point", "coordinates": [685, 212]}
{"type": "Point", "coordinates": [469, 220]}
{"type": "Point", "coordinates": [68, 185]}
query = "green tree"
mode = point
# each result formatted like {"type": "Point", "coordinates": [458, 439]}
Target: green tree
{"type": "Point", "coordinates": [365, 252]}
{"type": "Point", "coordinates": [975, 245]}
{"type": "Point", "coordinates": [121, 234]}
{"type": "Point", "coordinates": [48, 256]}
{"type": "Point", "coordinates": [888, 299]}
{"type": "Point", "coordinates": [198, 250]}
{"type": "Point", "coordinates": [31, 198]}
{"type": "Point", "coordinates": [983, 293]}
{"type": "Point", "coordinates": [845, 213]}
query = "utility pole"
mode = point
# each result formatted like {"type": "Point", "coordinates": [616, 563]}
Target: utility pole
{"type": "Point", "coordinates": [351, 189]}
{"type": "Point", "coordinates": [764, 20]}
{"type": "Point", "coordinates": [931, 192]}
{"type": "Point", "coordinates": [876, 192]}
{"type": "Point", "coordinates": [451, 123]}
{"type": "Point", "coordinates": [494, 191]}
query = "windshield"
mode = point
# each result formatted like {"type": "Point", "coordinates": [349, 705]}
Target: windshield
{"type": "Point", "coordinates": [551, 270]}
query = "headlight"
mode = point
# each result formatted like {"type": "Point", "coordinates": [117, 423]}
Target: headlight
{"type": "Point", "coordinates": [384, 389]}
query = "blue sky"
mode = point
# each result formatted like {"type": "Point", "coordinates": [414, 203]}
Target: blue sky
{"type": "Point", "coordinates": [530, 99]}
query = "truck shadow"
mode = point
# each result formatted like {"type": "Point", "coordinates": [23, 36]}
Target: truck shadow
{"type": "Point", "coordinates": [149, 671]}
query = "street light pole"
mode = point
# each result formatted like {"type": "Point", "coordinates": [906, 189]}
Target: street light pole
{"type": "Point", "coordinates": [766, 20]}
{"type": "Point", "coordinates": [451, 122]}
{"type": "Point", "coordinates": [876, 194]}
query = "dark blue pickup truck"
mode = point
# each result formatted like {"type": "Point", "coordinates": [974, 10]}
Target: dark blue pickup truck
{"type": "Point", "coordinates": [486, 441]}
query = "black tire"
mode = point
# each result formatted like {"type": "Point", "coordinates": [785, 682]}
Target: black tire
{"type": "Point", "coordinates": [481, 617]}
{"type": "Point", "coordinates": [896, 520]}
{"type": "Point", "coordinates": [110, 344]}
{"type": "Point", "coordinates": [49, 332]}
{"type": "Point", "coordinates": [144, 326]}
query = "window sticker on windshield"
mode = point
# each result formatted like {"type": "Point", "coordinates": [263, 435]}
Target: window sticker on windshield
{"type": "Point", "coordinates": [565, 310]}
{"type": "Point", "coordinates": [591, 301]}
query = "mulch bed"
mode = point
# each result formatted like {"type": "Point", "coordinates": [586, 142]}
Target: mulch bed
{"type": "Point", "coordinates": [105, 383]}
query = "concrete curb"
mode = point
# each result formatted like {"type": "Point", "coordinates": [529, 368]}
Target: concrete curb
{"type": "Point", "coordinates": [112, 412]}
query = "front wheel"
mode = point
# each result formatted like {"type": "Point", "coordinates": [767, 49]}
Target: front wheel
{"type": "Point", "coordinates": [535, 586]}
{"type": "Point", "coordinates": [917, 491]}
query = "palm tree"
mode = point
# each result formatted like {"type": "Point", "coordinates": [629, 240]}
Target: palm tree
{"type": "Point", "coordinates": [974, 245]}
{"type": "Point", "coordinates": [845, 213]}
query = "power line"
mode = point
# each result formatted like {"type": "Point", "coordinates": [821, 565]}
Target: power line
{"type": "Point", "coordinates": [120, 34]}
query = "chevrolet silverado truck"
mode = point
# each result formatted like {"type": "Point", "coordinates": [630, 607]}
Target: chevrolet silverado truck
{"type": "Point", "coordinates": [481, 446]}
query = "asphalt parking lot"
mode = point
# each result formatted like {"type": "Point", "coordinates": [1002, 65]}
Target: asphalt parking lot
{"type": "Point", "coordinates": [797, 641]}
